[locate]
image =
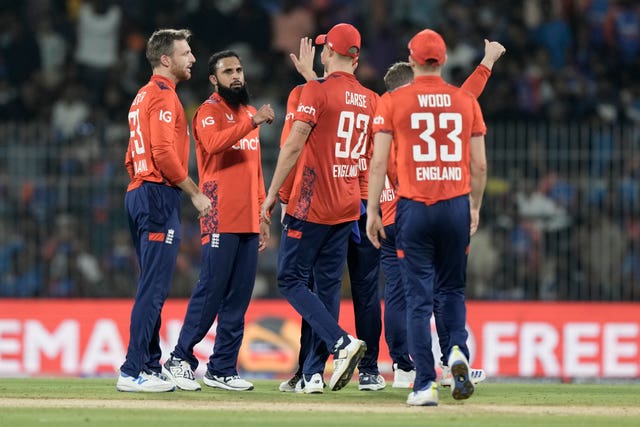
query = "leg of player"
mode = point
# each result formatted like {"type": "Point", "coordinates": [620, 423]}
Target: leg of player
{"type": "Point", "coordinates": [395, 313]}
{"type": "Point", "coordinates": [363, 262]}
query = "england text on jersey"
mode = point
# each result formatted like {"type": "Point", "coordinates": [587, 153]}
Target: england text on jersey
{"type": "Point", "coordinates": [438, 173]}
{"type": "Point", "coordinates": [345, 171]}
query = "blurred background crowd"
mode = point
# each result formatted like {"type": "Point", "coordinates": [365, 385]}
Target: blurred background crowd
{"type": "Point", "coordinates": [562, 209]}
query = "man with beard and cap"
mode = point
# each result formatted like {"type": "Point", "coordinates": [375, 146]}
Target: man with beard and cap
{"type": "Point", "coordinates": [226, 131]}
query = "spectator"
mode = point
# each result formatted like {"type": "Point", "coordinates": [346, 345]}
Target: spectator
{"type": "Point", "coordinates": [72, 271]}
{"type": "Point", "coordinates": [603, 267]}
{"type": "Point", "coordinates": [554, 34]}
{"type": "Point", "coordinates": [53, 54]}
{"type": "Point", "coordinates": [622, 30]}
{"type": "Point", "coordinates": [97, 48]}
{"type": "Point", "coordinates": [289, 24]}
{"type": "Point", "coordinates": [69, 112]}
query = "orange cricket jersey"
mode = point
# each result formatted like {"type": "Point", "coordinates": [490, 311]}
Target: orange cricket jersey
{"type": "Point", "coordinates": [292, 104]}
{"type": "Point", "coordinates": [388, 199]}
{"type": "Point", "coordinates": [326, 186]}
{"type": "Point", "coordinates": [476, 81]}
{"type": "Point", "coordinates": [158, 148]}
{"type": "Point", "coordinates": [475, 84]}
{"type": "Point", "coordinates": [365, 160]}
{"type": "Point", "coordinates": [431, 123]}
{"type": "Point", "coordinates": [229, 166]}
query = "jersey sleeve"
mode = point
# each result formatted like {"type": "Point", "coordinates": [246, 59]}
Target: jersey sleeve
{"type": "Point", "coordinates": [262, 193]}
{"type": "Point", "coordinates": [478, 127]}
{"type": "Point", "coordinates": [292, 105]}
{"type": "Point", "coordinates": [209, 132]}
{"type": "Point", "coordinates": [383, 121]}
{"type": "Point", "coordinates": [476, 82]}
{"type": "Point", "coordinates": [162, 115]}
{"type": "Point", "coordinates": [312, 101]}
{"type": "Point", "coordinates": [363, 176]}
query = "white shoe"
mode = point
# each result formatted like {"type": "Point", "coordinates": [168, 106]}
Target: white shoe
{"type": "Point", "coordinates": [179, 371]}
{"type": "Point", "coordinates": [345, 362]}
{"type": "Point", "coordinates": [428, 396]}
{"type": "Point", "coordinates": [403, 379]}
{"type": "Point", "coordinates": [314, 384]}
{"type": "Point", "coordinates": [146, 383]}
{"type": "Point", "coordinates": [292, 385]}
{"type": "Point", "coordinates": [476, 376]}
{"type": "Point", "coordinates": [461, 385]}
{"type": "Point", "coordinates": [232, 382]}
{"type": "Point", "coordinates": [371, 382]}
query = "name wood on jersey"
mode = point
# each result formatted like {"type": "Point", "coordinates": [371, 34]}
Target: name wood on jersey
{"type": "Point", "coordinates": [438, 173]}
{"type": "Point", "coordinates": [434, 100]}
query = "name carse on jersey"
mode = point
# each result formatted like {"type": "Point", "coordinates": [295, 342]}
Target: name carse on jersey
{"type": "Point", "coordinates": [357, 99]}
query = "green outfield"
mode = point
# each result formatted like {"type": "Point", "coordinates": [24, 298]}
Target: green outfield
{"type": "Point", "coordinates": [74, 402]}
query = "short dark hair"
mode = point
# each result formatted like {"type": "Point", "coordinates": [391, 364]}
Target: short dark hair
{"type": "Point", "coordinates": [161, 43]}
{"type": "Point", "coordinates": [213, 60]}
{"type": "Point", "coordinates": [397, 75]}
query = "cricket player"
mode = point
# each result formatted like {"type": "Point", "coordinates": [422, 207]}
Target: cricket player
{"type": "Point", "coordinates": [438, 134]}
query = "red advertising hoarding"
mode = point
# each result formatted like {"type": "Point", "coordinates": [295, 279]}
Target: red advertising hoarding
{"type": "Point", "coordinates": [555, 340]}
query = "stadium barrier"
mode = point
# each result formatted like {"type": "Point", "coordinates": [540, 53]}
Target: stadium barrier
{"type": "Point", "coordinates": [522, 339]}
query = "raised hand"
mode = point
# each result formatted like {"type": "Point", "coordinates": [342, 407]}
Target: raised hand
{"type": "Point", "coordinates": [304, 63]}
{"type": "Point", "coordinates": [492, 52]}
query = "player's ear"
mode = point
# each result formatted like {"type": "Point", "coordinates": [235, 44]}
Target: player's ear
{"type": "Point", "coordinates": [213, 79]}
{"type": "Point", "coordinates": [165, 60]}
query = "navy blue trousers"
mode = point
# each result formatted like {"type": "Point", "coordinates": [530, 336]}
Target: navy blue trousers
{"type": "Point", "coordinates": [395, 306]}
{"type": "Point", "coordinates": [433, 243]}
{"type": "Point", "coordinates": [363, 263]}
{"type": "Point", "coordinates": [227, 277]}
{"type": "Point", "coordinates": [306, 336]}
{"type": "Point", "coordinates": [320, 249]}
{"type": "Point", "coordinates": [153, 212]}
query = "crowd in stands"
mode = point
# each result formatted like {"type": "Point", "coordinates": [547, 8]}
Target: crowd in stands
{"type": "Point", "coordinates": [70, 68]}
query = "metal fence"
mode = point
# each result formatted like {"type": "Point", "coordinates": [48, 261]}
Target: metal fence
{"type": "Point", "coordinates": [560, 218]}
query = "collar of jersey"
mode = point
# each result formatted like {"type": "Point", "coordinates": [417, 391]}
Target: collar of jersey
{"type": "Point", "coordinates": [429, 79]}
{"type": "Point", "coordinates": [164, 79]}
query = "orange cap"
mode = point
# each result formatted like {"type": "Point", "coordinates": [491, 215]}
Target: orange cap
{"type": "Point", "coordinates": [426, 45]}
{"type": "Point", "coordinates": [343, 38]}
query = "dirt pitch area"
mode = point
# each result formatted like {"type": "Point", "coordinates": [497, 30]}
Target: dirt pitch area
{"type": "Point", "coordinates": [316, 407]}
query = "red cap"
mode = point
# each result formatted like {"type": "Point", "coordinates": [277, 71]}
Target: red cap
{"type": "Point", "coordinates": [428, 44]}
{"type": "Point", "coordinates": [343, 38]}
